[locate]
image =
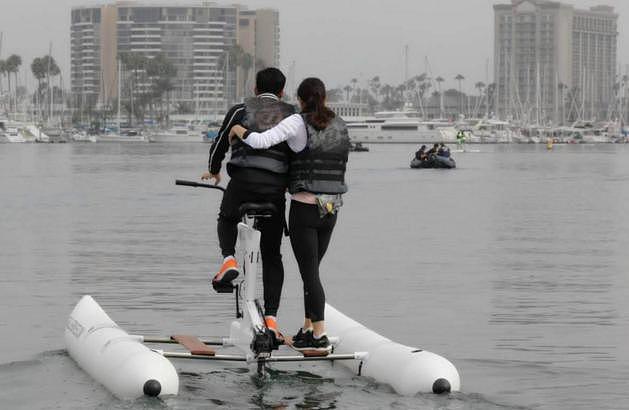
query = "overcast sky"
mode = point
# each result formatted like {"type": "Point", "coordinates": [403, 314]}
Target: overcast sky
{"type": "Point", "coordinates": [336, 40]}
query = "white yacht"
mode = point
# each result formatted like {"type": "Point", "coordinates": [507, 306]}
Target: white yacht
{"type": "Point", "coordinates": [125, 136]}
{"type": "Point", "coordinates": [82, 136]}
{"type": "Point", "coordinates": [33, 133]}
{"type": "Point", "coordinates": [594, 133]}
{"type": "Point", "coordinates": [491, 131]}
{"type": "Point", "coordinates": [400, 127]}
{"type": "Point", "coordinates": [14, 132]}
{"type": "Point", "coordinates": [177, 134]}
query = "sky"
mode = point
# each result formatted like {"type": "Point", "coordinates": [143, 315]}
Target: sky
{"type": "Point", "coordinates": [336, 40]}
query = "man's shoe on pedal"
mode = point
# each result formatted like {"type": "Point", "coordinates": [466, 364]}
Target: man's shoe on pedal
{"type": "Point", "coordinates": [309, 345]}
{"type": "Point", "coordinates": [228, 272]}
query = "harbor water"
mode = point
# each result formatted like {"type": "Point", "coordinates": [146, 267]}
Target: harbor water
{"type": "Point", "coordinates": [513, 266]}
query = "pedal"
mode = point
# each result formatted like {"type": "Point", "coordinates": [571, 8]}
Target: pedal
{"type": "Point", "coordinates": [315, 353]}
{"type": "Point", "coordinates": [221, 287]}
{"type": "Point", "coordinates": [263, 343]}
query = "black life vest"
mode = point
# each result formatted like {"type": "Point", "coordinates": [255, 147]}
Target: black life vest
{"type": "Point", "coordinates": [262, 114]}
{"type": "Point", "coordinates": [320, 167]}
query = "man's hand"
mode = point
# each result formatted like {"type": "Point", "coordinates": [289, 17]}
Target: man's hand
{"type": "Point", "coordinates": [216, 177]}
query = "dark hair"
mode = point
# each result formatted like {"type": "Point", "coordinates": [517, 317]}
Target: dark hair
{"type": "Point", "coordinates": [270, 80]}
{"type": "Point", "coordinates": [311, 91]}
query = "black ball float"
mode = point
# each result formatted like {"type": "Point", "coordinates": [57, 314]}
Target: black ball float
{"type": "Point", "coordinates": [152, 388]}
{"type": "Point", "coordinates": [441, 386]}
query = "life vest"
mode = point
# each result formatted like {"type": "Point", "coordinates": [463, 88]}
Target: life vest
{"type": "Point", "coordinates": [320, 167]}
{"type": "Point", "coordinates": [261, 114]}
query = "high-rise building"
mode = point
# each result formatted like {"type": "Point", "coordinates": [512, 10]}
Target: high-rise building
{"type": "Point", "coordinates": [553, 61]}
{"type": "Point", "coordinates": [259, 37]}
{"type": "Point", "coordinates": [198, 38]}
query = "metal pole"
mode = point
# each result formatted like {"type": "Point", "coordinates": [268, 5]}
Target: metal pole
{"type": "Point", "coordinates": [119, 93]}
{"type": "Point", "coordinates": [272, 359]}
{"type": "Point", "coordinates": [167, 340]}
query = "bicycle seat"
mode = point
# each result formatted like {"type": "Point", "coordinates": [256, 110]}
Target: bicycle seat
{"type": "Point", "coordinates": [257, 209]}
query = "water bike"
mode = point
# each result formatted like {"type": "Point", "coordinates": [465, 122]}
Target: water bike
{"type": "Point", "coordinates": [129, 368]}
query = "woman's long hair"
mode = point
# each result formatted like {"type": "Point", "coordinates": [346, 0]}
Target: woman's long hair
{"type": "Point", "coordinates": [311, 91]}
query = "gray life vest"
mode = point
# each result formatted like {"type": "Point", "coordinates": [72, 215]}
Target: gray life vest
{"type": "Point", "coordinates": [262, 114]}
{"type": "Point", "coordinates": [320, 167]}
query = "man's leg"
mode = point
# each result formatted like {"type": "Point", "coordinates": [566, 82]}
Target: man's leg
{"type": "Point", "coordinates": [272, 230]}
{"type": "Point", "coordinates": [227, 229]}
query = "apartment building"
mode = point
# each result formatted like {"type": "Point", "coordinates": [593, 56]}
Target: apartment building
{"type": "Point", "coordinates": [552, 61]}
{"type": "Point", "coordinates": [195, 37]}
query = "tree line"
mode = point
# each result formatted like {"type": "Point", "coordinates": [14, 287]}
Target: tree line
{"type": "Point", "coordinates": [419, 91]}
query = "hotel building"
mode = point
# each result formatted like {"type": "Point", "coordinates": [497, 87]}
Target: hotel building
{"type": "Point", "coordinates": [194, 37]}
{"type": "Point", "coordinates": [553, 61]}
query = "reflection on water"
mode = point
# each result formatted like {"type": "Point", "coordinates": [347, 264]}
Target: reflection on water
{"type": "Point", "coordinates": [512, 266]}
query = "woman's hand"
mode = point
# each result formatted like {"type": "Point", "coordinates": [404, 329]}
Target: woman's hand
{"type": "Point", "coordinates": [236, 132]}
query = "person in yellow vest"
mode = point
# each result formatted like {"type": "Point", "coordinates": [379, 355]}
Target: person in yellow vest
{"type": "Point", "coordinates": [460, 137]}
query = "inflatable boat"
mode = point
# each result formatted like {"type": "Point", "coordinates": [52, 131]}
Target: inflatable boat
{"type": "Point", "coordinates": [434, 161]}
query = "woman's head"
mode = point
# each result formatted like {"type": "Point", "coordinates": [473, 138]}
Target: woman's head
{"type": "Point", "coordinates": [311, 93]}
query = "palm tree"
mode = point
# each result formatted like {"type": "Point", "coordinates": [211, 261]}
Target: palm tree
{"type": "Point", "coordinates": [480, 86]}
{"type": "Point", "coordinates": [460, 78]}
{"type": "Point", "coordinates": [374, 85]}
{"type": "Point", "coordinates": [246, 63]}
{"type": "Point", "coordinates": [347, 90]}
{"type": "Point", "coordinates": [562, 88]}
{"type": "Point", "coordinates": [162, 72]}
{"type": "Point", "coordinates": [12, 66]}
{"type": "Point", "coordinates": [490, 91]}
{"type": "Point", "coordinates": [440, 80]}
{"type": "Point", "coordinates": [3, 70]}
{"type": "Point", "coordinates": [39, 72]}
{"type": "Point", "coordinates": [135, 63]}
{"type": "Point", "coordinates": [354, 82]}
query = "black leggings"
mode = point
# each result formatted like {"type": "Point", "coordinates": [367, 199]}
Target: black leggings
{"type": "Point", "coordinates": [309, 236]}
{"type": "Point", "coordinates": [272, 229]}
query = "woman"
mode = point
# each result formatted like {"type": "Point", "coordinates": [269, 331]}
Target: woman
{"type": "Point", "coordinates": [320, 142]}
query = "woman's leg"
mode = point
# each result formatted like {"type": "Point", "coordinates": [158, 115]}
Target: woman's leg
{"type": "Point", "coordinates": [310, 236]}
{"type": "Point", "coordinates": [324, 234]}
{"type": "Point", "coordinates": [303, 222]}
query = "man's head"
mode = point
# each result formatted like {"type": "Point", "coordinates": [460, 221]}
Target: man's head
{"type": "Point", "coordinates": [270, 80]}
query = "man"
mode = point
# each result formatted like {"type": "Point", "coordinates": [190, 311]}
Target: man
{"type": "Point", "coordinates": [433, 150]}
{"type": "Point", "coordinates": [256, 176]}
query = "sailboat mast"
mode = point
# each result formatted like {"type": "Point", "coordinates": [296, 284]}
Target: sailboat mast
{"type": "Point", "coordinates": [49, 82]}
{"type": "Point", "coordinates": [119, 93]}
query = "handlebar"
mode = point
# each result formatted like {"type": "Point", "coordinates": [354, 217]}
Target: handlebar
{"type": "Point", "coordinates": [194, 184]}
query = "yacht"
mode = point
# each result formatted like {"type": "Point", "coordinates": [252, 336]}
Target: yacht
{"type": "Point", "coordinates": [491, 131]}
{"type": "Point", "coordinates": [400, 127]}
{"type": "Point", "coordinates": [591, 132]}
{"type": "Point", "coordinates": [34, 133]}
{"type": "Point", "coordinates": [177, 134]}
{"type": "Point", "coordinates": [124, 136]}
{"type": "Point", "coordinates": [82, 136]}
{"type": "Point", "coordinates": [14, 132]}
